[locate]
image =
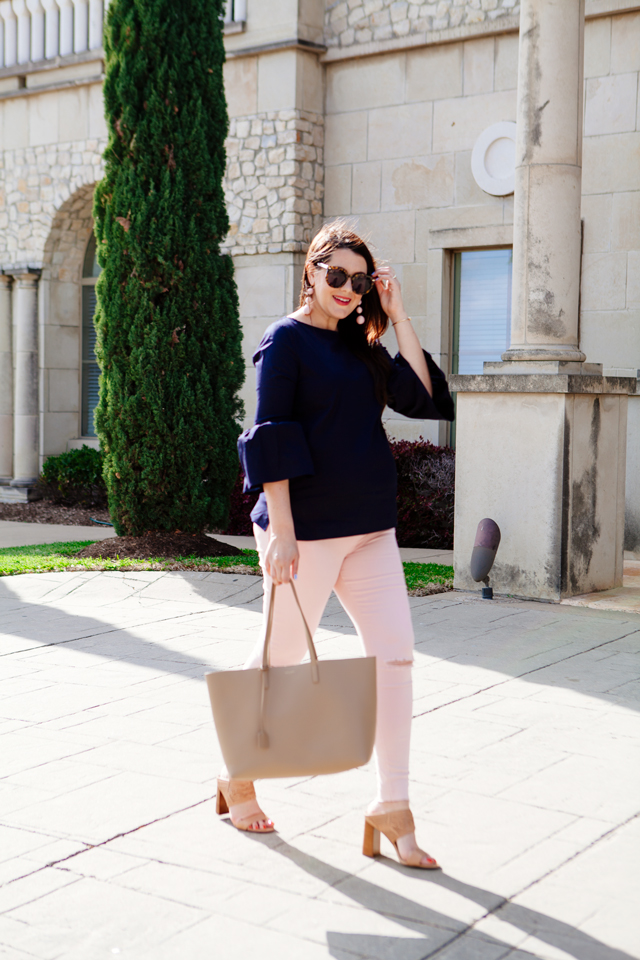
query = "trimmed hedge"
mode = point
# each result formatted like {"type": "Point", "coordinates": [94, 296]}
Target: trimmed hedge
{"type": "Point", "coordinates": [426, 480]}
{"type": "Point", "coordinates": [426, 476]}
{"type": "Point", "coordinates": [240, 506]}
{"type": "Point", "coordinates": [74, 479]}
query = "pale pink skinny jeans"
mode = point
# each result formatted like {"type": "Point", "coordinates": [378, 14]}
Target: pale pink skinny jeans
{"type": "Point", "coordinates": [366, 573]}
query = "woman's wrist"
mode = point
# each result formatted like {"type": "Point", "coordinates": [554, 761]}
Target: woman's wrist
{"type": "Point", "coordinates": [398, 314]}
{"type": "Point", "coordinates": [394, 323]}
{"type": "Point", "coordinates": [283, 533]}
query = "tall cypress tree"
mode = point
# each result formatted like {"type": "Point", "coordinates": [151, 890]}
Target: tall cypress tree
{"type": "Point", "coordinates": [168, 331]}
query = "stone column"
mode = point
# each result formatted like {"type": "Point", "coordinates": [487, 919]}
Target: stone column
{"type": "Point", "coordinates": [541, 436]}
{"type": "Point", "coordinates": [25, 437]}
{"type": "Point", "coordinates": [6, 381]}
{"type": "Point", "coordinates": [547, 233]}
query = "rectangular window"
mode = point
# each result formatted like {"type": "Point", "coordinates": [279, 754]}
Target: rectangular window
{"type": "Point", "coordinates": [235, 11]}
{"type": "Point", "coordinates": [90, 368]}
{"type": "Point", "coordinates": [481, 311]}
{"type": "Point", "coordinates": [481, 308]}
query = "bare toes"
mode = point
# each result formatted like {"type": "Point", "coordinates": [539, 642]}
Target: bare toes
{"type": "Point", "coordinates": [261, 826]}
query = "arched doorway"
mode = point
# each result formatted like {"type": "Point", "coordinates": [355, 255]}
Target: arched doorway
{"type": "Point", "coordinates": [67, 359]}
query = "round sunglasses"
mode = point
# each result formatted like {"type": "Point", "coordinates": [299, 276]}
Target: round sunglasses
{"type": "Point", "coordinates": [337, 277]}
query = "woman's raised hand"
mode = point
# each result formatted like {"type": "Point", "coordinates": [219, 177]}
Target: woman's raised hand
{"type": "Point", "coordinates": [388, 287]}
{"type": "Point", "coordinates": [281, 558]}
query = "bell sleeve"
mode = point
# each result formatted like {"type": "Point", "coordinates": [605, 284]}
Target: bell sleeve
{"type": "Point", "coordinates": [409, 396]}
{"type": "Point", "coordinates": [275, 448]}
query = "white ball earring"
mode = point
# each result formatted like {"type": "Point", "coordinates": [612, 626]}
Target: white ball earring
{"type": "Point", "coordinates": [359, 318]}
{"type": "Point", "coordinates": [307, 303]}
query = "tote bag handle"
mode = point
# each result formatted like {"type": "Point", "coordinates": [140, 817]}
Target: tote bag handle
{"type": "Point", "coordinates": [267, 640]}
{"type": "Point", "coordinates": [263, 739]}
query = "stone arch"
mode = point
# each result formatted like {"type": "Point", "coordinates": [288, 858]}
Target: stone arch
{"type": "Point", "coordinates": [42, 182]}
{"type": "Point", "coordinates": [61, 322]}
{"type": "Point", "coordinates": [65, 245]}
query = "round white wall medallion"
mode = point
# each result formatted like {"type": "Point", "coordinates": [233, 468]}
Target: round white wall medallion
{"type": "Point", "coordinates": [493, 160]}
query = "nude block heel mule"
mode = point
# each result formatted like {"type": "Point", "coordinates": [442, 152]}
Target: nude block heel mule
{"type": "Point", "coordinates": [232, 792]}
{"type": "Point", "coordinates": [396, 824]}
{"type": "Point", "coordinates": [371, 843]}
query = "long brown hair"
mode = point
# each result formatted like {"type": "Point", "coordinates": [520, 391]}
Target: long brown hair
{"type": "Point", "coordinates": [362, 339]}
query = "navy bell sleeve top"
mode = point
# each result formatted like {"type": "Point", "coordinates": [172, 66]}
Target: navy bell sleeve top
{"type": "Point", "coordinates": [318, 425]}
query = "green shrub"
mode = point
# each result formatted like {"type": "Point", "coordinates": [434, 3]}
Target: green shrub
{"type": "Point", "coordinates": [240, 507]}
{"type": "Point", "coordinates": [426, 494]}
{"type": "Point", "coordinates": [74, 478]}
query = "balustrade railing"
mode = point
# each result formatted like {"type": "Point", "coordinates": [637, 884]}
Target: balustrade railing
{"type": "Point", "coordinates": [36, 30]}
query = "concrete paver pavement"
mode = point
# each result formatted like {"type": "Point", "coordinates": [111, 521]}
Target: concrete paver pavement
{"type": "Point", "coordinates": [525, 777]}
{"type": "Point", "coordinates": [625, 598]}
{"type": "Point", "coordinates": [15, 533]}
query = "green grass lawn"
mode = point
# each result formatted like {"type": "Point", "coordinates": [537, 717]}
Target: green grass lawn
{"type": "Point", "coordinates": [425, 578]}
{"type": "Point", "coordinates": [422, 578]}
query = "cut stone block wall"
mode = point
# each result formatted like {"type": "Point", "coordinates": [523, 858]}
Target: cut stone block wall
{"type": "Point", "coordinates": [36, 182]}
{"type": "Point", "coordinates": [610, 288]}
{"type": "Point", "coordinates": [610, 291]}
{"type": "Point", "coordinates": [274, 181]}
{"type": "Point", "coordinates": [399, 134]}
{"type": "Point", "coordinates": [349, 22]}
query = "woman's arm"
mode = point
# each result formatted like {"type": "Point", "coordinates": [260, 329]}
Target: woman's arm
{"type": "Point", "coordinates": [408, 343]}
{"type": "Point", "coordinates": [282, 556]}
{"type": "Point", "coordinates": [275, 449]}
{"type": "Point", "coordinates": [409, 347]}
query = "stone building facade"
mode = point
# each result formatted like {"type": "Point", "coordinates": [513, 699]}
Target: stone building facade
{"type": "Point", "coordinates": [369, 109]}
{"type": "Point", "coordinates": [350, 22]}
{"type": "Point", "coordinates": [274, 181]}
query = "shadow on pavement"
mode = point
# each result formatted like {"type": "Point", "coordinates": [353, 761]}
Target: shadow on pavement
{"type": "Point", "coordinates": [103, 639]}
{"type": "Point", "coordinates": [439, 930]}
{"type": "Point", "coordinates": [520, 640]}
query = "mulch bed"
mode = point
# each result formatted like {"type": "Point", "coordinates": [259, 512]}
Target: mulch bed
{"type": "Point", "coordinates": [152, 545]}
{"type": "Point", "coordinates": [430, 589]}
{"type": "Point", "coordinates": [42, 511]}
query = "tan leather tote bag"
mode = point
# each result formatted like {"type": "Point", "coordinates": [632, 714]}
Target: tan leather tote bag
{"type": "Point", "coordinates": [302, 720]}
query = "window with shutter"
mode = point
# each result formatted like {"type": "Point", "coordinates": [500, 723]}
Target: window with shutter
{"type": "Point", "coordinates": [482, 308]}
{"type": "Point", "coordinates": [481, 311]}
{"type": "Point", "coordinates": [90, 368]}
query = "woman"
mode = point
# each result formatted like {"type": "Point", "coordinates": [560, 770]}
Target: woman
{"type": "Point", "coordinates": [326, 515]}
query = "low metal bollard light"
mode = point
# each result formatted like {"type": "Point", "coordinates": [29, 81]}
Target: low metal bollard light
{"type": "Point", "coordinates": [483, 554]}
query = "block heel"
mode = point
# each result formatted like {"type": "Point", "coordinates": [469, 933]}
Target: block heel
{"type": "Point", "coordinates": [222, 806]}
{"type": "Point", "coordinates": [230, 793]}
{"type": "Point", "coordinates": [394, 825]}
{"type": "Point", "coordinates": [371, 842]}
